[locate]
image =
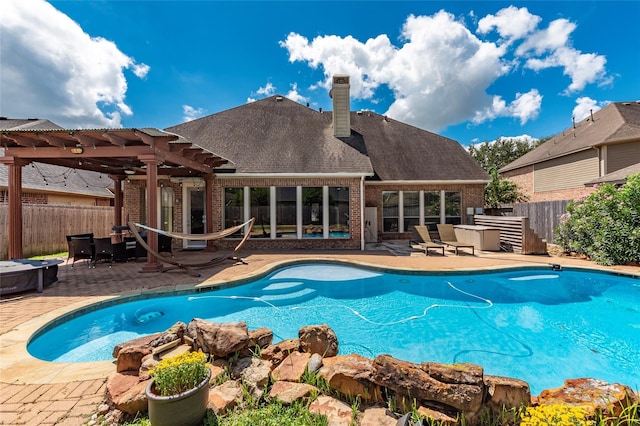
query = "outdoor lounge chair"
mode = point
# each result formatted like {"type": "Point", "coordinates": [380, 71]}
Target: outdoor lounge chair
{"type": "Point", "coordinates": [448, 237]}
{"type": "Point", "coordinates": [421, 237]}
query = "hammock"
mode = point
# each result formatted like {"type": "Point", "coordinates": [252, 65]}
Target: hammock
{"type": "Point", "coordinates": [197, 237]}
{"type": "Point", "coordinates": [221, 256]}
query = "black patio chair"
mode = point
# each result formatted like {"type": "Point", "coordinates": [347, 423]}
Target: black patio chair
{"type": "Point", "coordinates": [83, 249]}
{"type": "Point", "coordinates": [103, 250]}
{"type": "Point", "coordinates": [70, 247]}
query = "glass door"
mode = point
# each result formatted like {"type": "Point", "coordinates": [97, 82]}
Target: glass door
{"type": "Point", "coordinates": [194, 217]}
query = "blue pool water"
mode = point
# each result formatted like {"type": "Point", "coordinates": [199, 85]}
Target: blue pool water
{"type": "Point", "coordinates": [539, 325]}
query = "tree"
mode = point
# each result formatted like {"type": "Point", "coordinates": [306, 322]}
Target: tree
{"type": "Point", "coordinates": [497, 154]}
{"type": "Point", "coordinates": [502, 191]}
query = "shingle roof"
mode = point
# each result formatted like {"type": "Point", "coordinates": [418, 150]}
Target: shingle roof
{"type": "Point", "coordinates": [617, 177]}
{"type": "Point", "coordinates": [277, 135]}
{"type": "Point", "coordinates": [617, 122]}
{"type": "Point", "coordinates": [27, 124]}
{"type": "Point", "coordinates": [51, 178]}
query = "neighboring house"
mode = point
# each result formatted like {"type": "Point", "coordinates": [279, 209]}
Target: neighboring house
{"type": "Point", "coordinates": [50, 184]}
{"type": "Point", "coordinates": [318, 179]}
{"type": "Point", "coordinates": [604, 147]}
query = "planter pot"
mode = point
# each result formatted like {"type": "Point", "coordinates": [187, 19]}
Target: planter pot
{"type": "Point", "coordinates": [185, 409]}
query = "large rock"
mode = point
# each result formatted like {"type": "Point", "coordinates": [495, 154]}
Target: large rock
{"type": "Point", "coordinates": [225, 397]}
{"type": "Point", "coordinates": [433, 416]}
{"type": "Point", "coordinates": [470, 374]}
{"type": "Point", "coordinates": [220, 340]}
{"type": "Point", "coordinates": [595, 395]}
{"type": "Point", "coordinates": [258, 340]}
{"type": "Point", "coordinates": [126, 392]}
{"type": "Point", "coordinates": [292, 368]}
{"type": "Point", "coordinates": [140, 341]}
{"type": "Point", "coordinates": [130, 358]}
{"type": "Point", "coordinates": [254, 373]}
{"type": "Point", "coordinates": [338, 413]}
{"type": "Point", "coordinates": [351, 375]}
{"type": "Point", "coordinates": [288, 392]}
{"type": "Point", "coordinates": [506, 393]}
{"type": "Point", "coordinates": [175, 332]}
{"type": "Point", "coordinates": [411, 380]}
{"type": "Point", "coordinates": [318, 339]}
{"type": "Point", "coordinates": [278, 352]}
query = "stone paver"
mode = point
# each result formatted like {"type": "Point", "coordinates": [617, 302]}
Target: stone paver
{"type": "Point", "coordinates": [28, 398]}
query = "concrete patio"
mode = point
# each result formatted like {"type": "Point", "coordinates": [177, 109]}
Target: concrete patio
{"type": "Point", "coordinates": [34, 392]}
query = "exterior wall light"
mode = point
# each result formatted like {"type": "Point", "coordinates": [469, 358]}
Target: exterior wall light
{"type": "Point", "coordinates": [77, 149]}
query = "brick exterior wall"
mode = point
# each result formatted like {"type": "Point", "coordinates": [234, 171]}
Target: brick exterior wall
{"type": "Point", "coordinates": [472, 196]}
{"type": "Point", "coordinates": [523, 177]}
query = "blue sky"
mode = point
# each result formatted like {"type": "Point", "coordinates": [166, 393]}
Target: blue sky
{"type": "Point", "coordinates": [471, 71]}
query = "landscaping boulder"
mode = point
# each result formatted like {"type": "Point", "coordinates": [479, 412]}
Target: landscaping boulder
{"type": "Point", "coordinates": [225, 397]}
{"type": "Point", "coordinates": [289, 392]}
{"type": "Point", "coordinates": [126, 392]}
{"type": "Point", "coordinates": [505, 393]}
{"type": "Point", "coordinates": [411, 380]}
{"type": "Point", "coordinates": [596, 395]}
{"type": "Point", "coordinates": [221, 340]}
{"type": "Point", "coordinates": [318, 339]}
{"type": "Point", "coordinates": [278, 352]}
{"type": "Point", "coordinates": [130, 358]}
{"type": "Point", "coordinates": [254, 373]}
{"type": "Point", "coordinates": [377, 416]}
{"type": "Point", "coordinates": [338, 413]}
{"type": "Point", "coordinates": [292, 368]}
{"type": "Point", "coordinates": [351, 375]}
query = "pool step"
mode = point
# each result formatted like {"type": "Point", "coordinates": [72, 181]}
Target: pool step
{"type": "Point", "coordinates": [282, 287]}
{"type": "Point", "coordinates": [289, 298]}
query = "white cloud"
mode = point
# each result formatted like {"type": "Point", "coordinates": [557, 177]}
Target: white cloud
{"type": "Point", "coordinates": [441, 74]}
{"type": "Point", "coordinates": [295, 96]}
{"type": "Point", "coordinates": [52, 69]}
{"type": "Point", "coordinates": [585, 106]}
{"type": "Point", "coordinates": [268, 90]}
{"type": "Point", "coordinates": [510, 23]}
{"type": "Point", "coordinates": [191, 113]}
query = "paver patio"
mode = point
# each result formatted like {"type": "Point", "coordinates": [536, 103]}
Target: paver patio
{"type": "Point", "coordinates": [34, 392]}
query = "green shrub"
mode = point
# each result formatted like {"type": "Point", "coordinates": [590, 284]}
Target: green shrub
{"type": "Point", "coordinates": [604, 225]}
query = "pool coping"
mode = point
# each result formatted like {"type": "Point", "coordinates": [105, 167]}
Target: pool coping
{"type": "Point", "coordinates": [20, 367]}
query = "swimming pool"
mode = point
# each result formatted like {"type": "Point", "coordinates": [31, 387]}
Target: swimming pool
{"type": "Point", "coordinates": [535, 324]}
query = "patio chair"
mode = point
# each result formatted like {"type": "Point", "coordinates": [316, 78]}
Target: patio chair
{"type": "Point", "coordinates": [448, 237]}
{"type": "Point", "coordinates": [70, 248]}
{"type": "Point", "coordinates": [421, 237]}
{"type": "Point", "coordinates": [82, 249]}
{"type": "Point", "coordinates": [103, 250]}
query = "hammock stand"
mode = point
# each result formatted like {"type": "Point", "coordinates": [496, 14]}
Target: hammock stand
{"type": "Point", "coordinates": [221, 257]}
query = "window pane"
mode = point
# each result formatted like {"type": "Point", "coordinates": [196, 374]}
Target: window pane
{"type": "Point", "coordinates": [312, 212]}
{"type": "Point", "coordinates": [233, 207]}
{"type": "Point", "coordinates": [286, 212]}
{"type": "Point", "coordinates": [390, 211]}
{"type": "Point", "coordinates": [453, 203]}
{"type": "Point", "coordinates": [431, 209]}
{"type": "Point", "coordinates": [260, 199]}
{"type": "Point", "coordinates": [411, 208]}
{"type": "Point", "coordinates": [339, 212]}
{"type": "Point", "coordinates": [166, 209]}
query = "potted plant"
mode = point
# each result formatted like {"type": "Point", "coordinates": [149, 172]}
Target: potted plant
{"type": "Point", "coordinates": [179, 391]}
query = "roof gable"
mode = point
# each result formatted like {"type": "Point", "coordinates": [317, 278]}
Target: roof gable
{"type": "Point", "coordinates": [617, 122]}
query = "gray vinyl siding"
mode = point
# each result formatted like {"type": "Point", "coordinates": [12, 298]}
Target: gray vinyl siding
{"type": "Point", "coordinates": [570, 171]}
{"type": "Point", "coordinates": [622, 155]}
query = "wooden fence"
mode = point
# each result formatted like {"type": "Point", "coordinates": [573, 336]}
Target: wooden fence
{"type": "Point", "coordinates": [544, 216]}
{"type": "Point", "coordinates": [45, 227]}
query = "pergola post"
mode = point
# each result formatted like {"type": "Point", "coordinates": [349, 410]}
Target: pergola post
{"type": "Point", "coordinates": [117, 199]}
{"type": "Point", "coordinates": [152, 161]}
{"type": "Point", "coordinates": [15, 205]}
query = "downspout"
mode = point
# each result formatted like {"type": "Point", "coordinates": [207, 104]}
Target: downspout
{"type": "Point", "coordinates": [362, 218]}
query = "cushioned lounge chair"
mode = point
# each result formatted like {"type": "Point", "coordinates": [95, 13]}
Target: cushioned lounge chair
{"type": "Point", "coordinates": [448, 237]}
{"type": "Point", "coordinates": [421, 237]}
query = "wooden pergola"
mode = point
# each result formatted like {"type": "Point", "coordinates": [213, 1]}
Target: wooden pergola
{"type": "Point", "coordinates": [119, 153]}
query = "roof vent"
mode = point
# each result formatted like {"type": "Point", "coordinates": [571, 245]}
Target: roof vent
{"type": "Point", "coordinates": [359, 112]}
{"type": "Point", "coordinates": [278, 98]}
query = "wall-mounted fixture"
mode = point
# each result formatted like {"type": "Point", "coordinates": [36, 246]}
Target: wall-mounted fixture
{"type": "Point", "coordinates": [77, 149]}
{"type": "Point", "coordinates": [129, 171]}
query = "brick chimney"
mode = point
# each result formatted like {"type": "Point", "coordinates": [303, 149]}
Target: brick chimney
{"type": "Point", "coordinates": [341, 106]}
